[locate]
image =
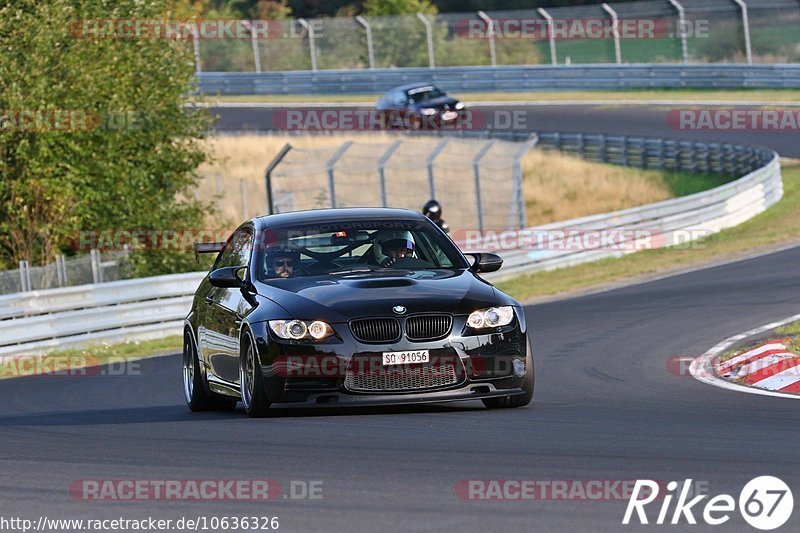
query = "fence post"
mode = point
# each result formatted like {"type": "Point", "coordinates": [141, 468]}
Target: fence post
{"type": "Point", "coordinates": [430, 160]}
{"type": "Point", "coordinates": [476, 161]}
{"type": "Point", "coordinates": [370, 50]}
{"type": "Point", "coordinates": [746, 24]}
{"type": "Point", "coordinates": [24, 276]}
{"type": "Point", "coordinates": [429, 33]}
{"type": "Point", "coordinates": [311, 42]}
{"type": "Point", "coordinates": [382, 169]}
{"type": "Point", "coordinates": [330, 164]}
{"type": "Point", "coordinates": [243, 193]}
{"type": "Point", "coordinates": [196, 44]}
{"type": "Point", "coordinates": [94, 256]}
{"type": "Point", "coordinates": [490, 32]}
{"type": "Point", "coordinates": [218, 193]}
{"type": "Point", "coordinates": [268, 176]}
{"type": "Point", "coordinates": [519, 191]}
{"type": "Point", "coordinates": [682, 23]}
{"type": "Point", "coordinates": [254, 42]}
{"type": "Point", "coordinates": [615, 29]}
{"type": "Point", "coordinates": [552, 37]}
{"type": "Point", "coordinates": [61, 271]}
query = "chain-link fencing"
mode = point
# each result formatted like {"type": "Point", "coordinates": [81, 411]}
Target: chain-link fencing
{"type": "Point", "coordinates": [96, 267]}
{"type": "Point", "coordinates": [646, 31]}
{"type": "Point", "coordinates": [477, 181]}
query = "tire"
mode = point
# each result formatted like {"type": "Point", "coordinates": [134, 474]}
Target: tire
{"type": "Point", "coordinates": [251, 381]}
{"type": "Point", "coordinates": [195, 389]}
{"type": "Point", "coordinates": [518, 400]}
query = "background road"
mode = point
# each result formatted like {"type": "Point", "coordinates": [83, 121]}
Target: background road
{"type": "Point", "coordinates": [605, 408]}
{"type": "Point", "coordinates": [634, 120]}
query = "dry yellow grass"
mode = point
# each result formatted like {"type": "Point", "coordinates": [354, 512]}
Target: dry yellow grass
{"type": "Point", "coordinates": [556, 187]}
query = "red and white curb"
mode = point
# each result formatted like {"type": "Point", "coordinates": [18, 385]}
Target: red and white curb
{"type": "Point", "coordinates": [769, 370]}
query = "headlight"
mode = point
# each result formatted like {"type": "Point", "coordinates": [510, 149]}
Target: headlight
{"type": "Point", "coordinates": [492, 317]}
{"type": "Point", "coordinates": [299, 329]}
{"type": "Point", "coordinates": [459, 105]}
{"type": "Point", "coordinates": [427, 111]}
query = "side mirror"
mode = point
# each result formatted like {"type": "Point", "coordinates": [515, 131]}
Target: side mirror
{"type": "Point", "coordinates": [229, 278]}
{"type": "Point", "coordinates": [486, 262]}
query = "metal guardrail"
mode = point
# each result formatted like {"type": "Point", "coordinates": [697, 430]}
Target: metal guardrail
{"type": "Point", "coordinates": [508, 78]}
{"type": "Point", "coordinates": [154, 307]}
{"type": "Point", "coordinates": [105, 312]}
{"type": "Point", "coordinates": [667, 223]}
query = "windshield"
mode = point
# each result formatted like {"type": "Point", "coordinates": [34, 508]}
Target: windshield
{"type": "Point", "coordinates": [421, 94]}
{"type": "Point", "coordinates": [354, 247]}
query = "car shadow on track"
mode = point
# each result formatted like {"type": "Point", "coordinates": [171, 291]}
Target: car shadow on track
{"type": "Point", "coordinates": [179, 413]}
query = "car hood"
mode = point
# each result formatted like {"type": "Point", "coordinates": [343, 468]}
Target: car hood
{"type": "Point", "coordinates": [343, 297]}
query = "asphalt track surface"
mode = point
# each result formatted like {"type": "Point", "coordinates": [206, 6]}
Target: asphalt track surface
{"type": "Point", "coordinates": [634, 120]}
{"type": "Point", "coordinates": [608, 406]}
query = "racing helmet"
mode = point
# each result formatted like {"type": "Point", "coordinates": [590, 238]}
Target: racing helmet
{"type": "Point", "coordinates": [391, 240]}
{"type": "Point", "coordinates": [432, 210]}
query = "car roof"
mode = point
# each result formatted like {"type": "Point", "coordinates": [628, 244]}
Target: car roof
{"type": "Point", "coordinates": [414, 86]}
{"type": "Point", "coordinates": [319, 216]}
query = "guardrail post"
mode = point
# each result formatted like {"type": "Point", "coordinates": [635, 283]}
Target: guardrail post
{"type": "Point", "coordinates": [551, 35]}
{"type": "Point", "coordinates": [370, 50]}
{"type": "Point", "coordinates": [268, 176]}
{"type": "Point", "coordinates": [602, 152]}
{"type": "Point", "coordinates": [429, 34]}
{"type": "Point", "coordinates": [94, 256]}
{"type": "Point", "coordinates": [330, 164]}
{"type": "Point", "coordinates": [429, 163]}
{"type": "Point", "coordinates": [682, 23]}
{"type": "Point", "coordinates": [581, 146]}
{"type": "Point", "coordinates": [624, 151]}
{"type": "Point", "coordinates": [661, 153]}
{"type": "Point", "coordinates": [312, 47]}
{"type": "Point", "coordinates": [615, 30]}
{"type": "Point", "coordinates": [24, 276]}
{"type": "Point", "coordinates": [490, 32]}
{"type": "Point", "coordinates": [476, 162]}
{"type": "Point", "coordinates": [746, 24]}
{"type": "Point", "coordinates": [382, 170]}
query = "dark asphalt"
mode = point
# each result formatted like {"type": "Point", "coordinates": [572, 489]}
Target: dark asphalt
{"type": "Point", "coordinates": [606, 408]}
{"type": "Point", "coordinates": [634, 120]}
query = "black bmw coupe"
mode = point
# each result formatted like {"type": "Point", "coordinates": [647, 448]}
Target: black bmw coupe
{"type": "Point", "coordinates": [347, 307]}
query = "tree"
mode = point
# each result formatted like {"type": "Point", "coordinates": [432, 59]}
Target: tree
{"type": "Point", "coordinates": [112, 146]}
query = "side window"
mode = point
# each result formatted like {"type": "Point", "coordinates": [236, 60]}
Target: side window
{"type": "Point", "coordinates": [399, 98]}
{"type": "Point", "coordinates": [237, 250]}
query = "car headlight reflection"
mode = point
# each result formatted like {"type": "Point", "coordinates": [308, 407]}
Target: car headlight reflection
{"type": "Point", "coordinates": [491, 318]}
{"type": "Point", "coordinates": [300, 329]}
{"type": "Point", "coordinates": [460, 105]}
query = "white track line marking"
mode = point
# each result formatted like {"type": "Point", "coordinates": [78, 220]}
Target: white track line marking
{"type": "Point", "coordinates": [702, 367]}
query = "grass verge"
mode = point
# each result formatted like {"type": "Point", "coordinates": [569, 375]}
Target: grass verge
{"type": "Point", "coordinates": [557, 187]}
{"type": "Point", "coordinates": [778, 225]}
{"type": "Point", "coordinates": [643, 95]}
{"type": "Point", "coordinates": [71, 361]}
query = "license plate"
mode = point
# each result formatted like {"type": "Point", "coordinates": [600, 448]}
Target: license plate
{"type": "Point", "coordinates": [406, 358]}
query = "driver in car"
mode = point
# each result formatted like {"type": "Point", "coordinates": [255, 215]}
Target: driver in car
{"type": "Point", "coordinates": [281, 263]}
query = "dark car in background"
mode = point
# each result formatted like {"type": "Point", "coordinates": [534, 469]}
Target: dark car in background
{"type": "Point", "coordinates": [366, 306]}
{"type": "Point", "coordinates": [418, 106]}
